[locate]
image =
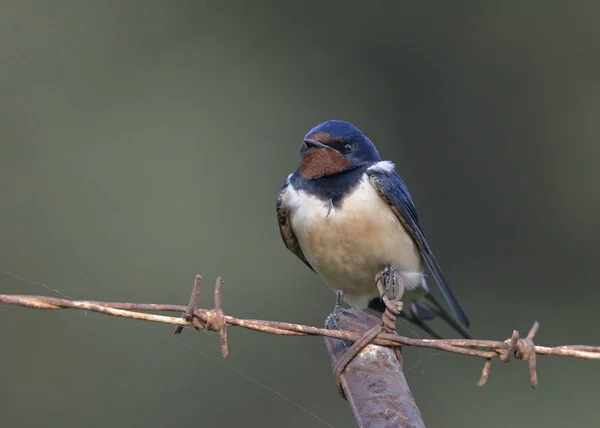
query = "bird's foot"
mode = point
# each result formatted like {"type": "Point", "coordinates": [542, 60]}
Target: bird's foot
{"type": "Point", "coordinates": [391, 289]}
{"type": "Point", "coordinates": [389, 275]}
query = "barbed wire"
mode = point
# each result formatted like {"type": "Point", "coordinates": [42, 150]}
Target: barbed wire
{"type": "Point", "coordinates": [516, 347]}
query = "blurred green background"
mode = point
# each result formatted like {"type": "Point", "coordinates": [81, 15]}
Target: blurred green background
{"type": "Point", "coordinates": [142, 142]}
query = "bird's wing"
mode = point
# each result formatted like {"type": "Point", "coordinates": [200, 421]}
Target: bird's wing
{"type": "Point", "coordinates": [285, 226]}
{"type": "Point", "coordinates": [394, 192]}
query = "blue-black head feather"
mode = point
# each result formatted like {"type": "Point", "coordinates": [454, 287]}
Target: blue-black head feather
{"type": "Point", "coordinates": [347, 139]}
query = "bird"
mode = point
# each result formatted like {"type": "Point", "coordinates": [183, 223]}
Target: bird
{"type": "Point", "coordinates": [349, 216]}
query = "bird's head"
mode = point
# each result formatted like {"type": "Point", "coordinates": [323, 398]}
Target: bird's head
{"type": "Point", "coordinates": [334, 147]}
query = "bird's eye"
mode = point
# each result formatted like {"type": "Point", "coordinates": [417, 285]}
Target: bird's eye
{"type": "Point", "coordinates": [348, 148]}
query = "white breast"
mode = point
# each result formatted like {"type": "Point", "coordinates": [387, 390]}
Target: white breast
{"type": "Point", "coordinates": [349, 245]}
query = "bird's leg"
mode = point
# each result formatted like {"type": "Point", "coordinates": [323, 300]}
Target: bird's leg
{"type": "Point", "coordinates": [336, 308]}
{"type": "Point", "coordinates": [338, 298]}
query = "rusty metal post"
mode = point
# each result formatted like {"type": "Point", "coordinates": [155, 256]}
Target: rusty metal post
{"type": "Point", "coordinates": [373, 381]}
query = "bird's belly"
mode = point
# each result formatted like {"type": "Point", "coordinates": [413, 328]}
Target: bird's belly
{"type": "Point", "coordinates": [349, 245]}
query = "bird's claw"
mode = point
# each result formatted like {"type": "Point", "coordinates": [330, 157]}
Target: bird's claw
{"type": "Point", "coordinates": [390, 279]}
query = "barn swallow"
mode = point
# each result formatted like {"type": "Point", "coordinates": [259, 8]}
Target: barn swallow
{"type": "Point", "coordinates": [348, 216]}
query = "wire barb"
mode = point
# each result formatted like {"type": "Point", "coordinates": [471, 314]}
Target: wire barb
{"type": "Point", "coordinates": [189, 314]}
{"type": "Point", "coordinates": [215, 320]}
{"type": "Point", "coordinates": [521, 349]}
{"type": "Point", "coordinates": [485, 372]}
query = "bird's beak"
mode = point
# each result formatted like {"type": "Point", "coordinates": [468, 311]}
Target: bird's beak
{"type": "Point", "coordinates": [316, 144]}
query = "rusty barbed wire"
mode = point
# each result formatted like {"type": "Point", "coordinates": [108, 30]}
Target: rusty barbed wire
{"type": "Point", "coordinates": [214, 319]}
